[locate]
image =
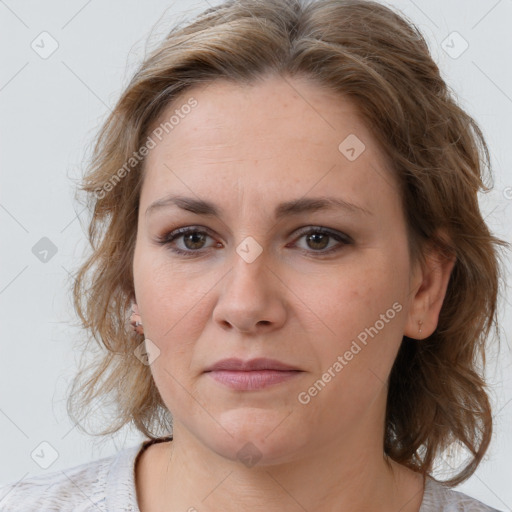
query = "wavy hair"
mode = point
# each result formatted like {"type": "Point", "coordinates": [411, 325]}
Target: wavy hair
{"type": "Point", "coordinates": [364, 51]}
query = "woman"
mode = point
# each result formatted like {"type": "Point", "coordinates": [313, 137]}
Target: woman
{"type": "Point", "coordinates": [285, 197]}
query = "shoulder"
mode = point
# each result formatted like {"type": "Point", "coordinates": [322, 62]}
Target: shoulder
{"type": "Point", "coordinates": [70, 488]}
{"type": "Point", "coordinates": [92, 486]}
{"type": "Point", "coordinates": [440, 498]}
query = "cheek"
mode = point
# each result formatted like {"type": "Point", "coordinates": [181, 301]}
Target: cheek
{"type": "Point", "coordinates": [173, 309]}
{"type": "Point", "coordinates": [349, 298]}
{"type": "Point", "coordinates": [167, 296]}
{"type": "Point", "coordinates": [170, 305]}
{"type": "Point", "coordinates": [360, 315]}
{"type": "Point", "coordinates": [358, 331]}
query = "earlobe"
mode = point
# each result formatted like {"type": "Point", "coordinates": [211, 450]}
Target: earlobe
{"type": "Point", "coordinates": [136, 320]}
{"type": "Point", "coordinates": [429, 295]}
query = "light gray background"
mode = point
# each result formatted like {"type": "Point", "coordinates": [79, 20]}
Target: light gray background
{"type": "Point", "coordinates": [50, 111]}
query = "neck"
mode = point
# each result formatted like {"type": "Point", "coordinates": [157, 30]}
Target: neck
{"type": "Point", "coordinates": [350, 474]}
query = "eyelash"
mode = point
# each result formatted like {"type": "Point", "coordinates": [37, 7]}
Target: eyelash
{"type": "Point", "coordinates": [168, 238]}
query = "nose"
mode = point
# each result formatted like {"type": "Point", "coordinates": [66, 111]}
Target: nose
{"type": "Point", "coordinates": [251, 298]}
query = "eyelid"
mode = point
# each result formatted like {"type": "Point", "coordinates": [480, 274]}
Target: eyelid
{"type": "Point", "coordinates": [320, 229]}
{"type": "Point", "coordinates": [169, 237]}
{"type": "Point", "coordinates": [342, 240]}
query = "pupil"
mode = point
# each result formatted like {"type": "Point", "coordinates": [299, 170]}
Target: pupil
{"type": "Point", "coordinates": [194, 238]}
{"type": "Point", "coordinates": [318, 237]}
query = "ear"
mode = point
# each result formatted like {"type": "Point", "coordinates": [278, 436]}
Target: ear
{"type": "Point", "coordinates": [428, 289]}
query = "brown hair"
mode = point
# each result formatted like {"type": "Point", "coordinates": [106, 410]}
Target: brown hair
{"type": "Point", "coordinates": [373, 56]}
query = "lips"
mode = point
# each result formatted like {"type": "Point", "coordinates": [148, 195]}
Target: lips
{"type": "Point", "coordinates": [262, 363]}
{"type": "Point", "coordinates": [252, 375]}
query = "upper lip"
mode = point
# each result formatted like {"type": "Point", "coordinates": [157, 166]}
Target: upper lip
{"type": "Point", "coordinates": [261, 363]}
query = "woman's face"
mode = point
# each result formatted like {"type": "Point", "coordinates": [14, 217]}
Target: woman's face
{"type": "Point", "coordinates": [304, 261]}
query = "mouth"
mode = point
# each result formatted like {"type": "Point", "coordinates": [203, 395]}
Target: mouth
{"type": "Point", "coordinates": [251, 375]}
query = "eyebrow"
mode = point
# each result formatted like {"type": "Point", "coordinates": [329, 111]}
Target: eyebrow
{"type": "Point", "coordinates": [287, 208]}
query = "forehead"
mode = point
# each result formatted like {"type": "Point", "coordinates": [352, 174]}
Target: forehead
{"type": "Point", "coordinates": [275, 135]}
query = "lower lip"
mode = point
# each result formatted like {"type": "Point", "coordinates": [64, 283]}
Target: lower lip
{"type": "Point", "coordinates": [252, 380]}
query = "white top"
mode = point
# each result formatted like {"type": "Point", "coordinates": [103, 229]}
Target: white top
{"type": "Point", "coordinates": [108, 485]}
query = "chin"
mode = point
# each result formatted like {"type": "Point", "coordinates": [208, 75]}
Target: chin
{"type": "Point", "coordinates": [262, 437]}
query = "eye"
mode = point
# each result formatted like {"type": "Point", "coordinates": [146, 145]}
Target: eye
{"type": "Point", "coordinates": [192, 240]}
{"type": "Point", "coordinates": [318, 240]}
